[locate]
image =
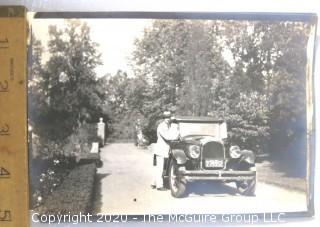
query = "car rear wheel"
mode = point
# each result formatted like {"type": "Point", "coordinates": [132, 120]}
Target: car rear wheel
{"type": "Point", "coordinates": [176, 183]}
{"type": "Point", "coordinates": [247, 187]}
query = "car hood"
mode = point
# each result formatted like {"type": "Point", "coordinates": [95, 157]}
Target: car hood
{"type": "Point", "coordinates": [200, 139]}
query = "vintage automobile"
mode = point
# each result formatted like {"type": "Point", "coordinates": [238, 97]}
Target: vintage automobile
{"type": "Point", "coordinates": [200, 154]}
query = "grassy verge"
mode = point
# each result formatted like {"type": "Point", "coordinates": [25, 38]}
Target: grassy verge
{"type": "Point", "coordinates": [268, 174]}
{"type": "Point", "coordinates": [74, 195]}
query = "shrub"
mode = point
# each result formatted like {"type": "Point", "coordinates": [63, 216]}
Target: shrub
{"type": "Point", "coordinates": [46, 175]}
{"type": "Point", "coordinates": [51, 161]}
{"type": "Point", "coordinates": [46, 149]}
{"type": "Point", "coordinates": [81, 140]}
{"type": "Point", "coordinates": [74, 195]}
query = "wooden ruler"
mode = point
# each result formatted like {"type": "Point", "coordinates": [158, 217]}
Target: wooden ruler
{"type": "Point", "coordinates": [14, 206]}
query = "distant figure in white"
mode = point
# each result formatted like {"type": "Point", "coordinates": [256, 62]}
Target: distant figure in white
{"type": "Point", "coordinates": [101, 131]}
{"type": "Point", "coordinates": [165, 134]}
{"type": "Point", "coordinates": [141, 139]}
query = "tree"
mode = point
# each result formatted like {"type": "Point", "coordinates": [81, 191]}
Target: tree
{"type": "Point", "coordinates": [270, 58]}
{"type": "Point", "coordinates": [159, 61]}
{"type": "Point", "coordinates": [204, 72]}
{"type": "Point", "coordinates": [69, 93]}
{"type": "Point", "coordinates": [287, 91]}
{"type": "Point", "coordinates": [179, 60]}
{"type": "Point", "coordinates": [34, 90]}
{"type": "Point", "coordinates": [184, 65]}
{"type": "Point", "coordinates": [159, 57]}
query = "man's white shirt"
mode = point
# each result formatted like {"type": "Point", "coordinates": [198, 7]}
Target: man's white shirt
{"type": "Point", "coordinates": [165, 132]}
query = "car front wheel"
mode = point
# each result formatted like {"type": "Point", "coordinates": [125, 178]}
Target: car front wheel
{"type": "Point", "coordinates": [176, 183]}
{"type": "Point", "coordinates": [247, 187]}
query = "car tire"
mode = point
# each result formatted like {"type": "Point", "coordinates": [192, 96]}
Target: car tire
{"type": "Point", "coordinates": [166, 183]}
{"type": "Point", "coordinates": [247, 187]}
{"type": "Point", "coordinates": [99, 163]}
{"type": "Point", "coordinates": [177, 184]}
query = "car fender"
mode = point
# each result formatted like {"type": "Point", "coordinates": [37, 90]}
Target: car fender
{"type": "Point", "coordinates": [179, 156]}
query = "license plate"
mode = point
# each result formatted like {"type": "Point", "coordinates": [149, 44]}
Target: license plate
{"type": "Point", "coordinates": [214, 163]}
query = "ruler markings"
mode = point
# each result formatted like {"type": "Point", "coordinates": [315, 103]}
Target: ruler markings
{"type": "Point", "coordinates": [5, 130]}
{"type": "Point", "coordinates": [4, 173]}
{"type": "Point", "coordinates": [14, 208]}
{"type": "Point", "coordinates": [5, 215]}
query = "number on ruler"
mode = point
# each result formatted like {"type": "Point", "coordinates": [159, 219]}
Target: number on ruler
{"type": "Point", "coordinates": [4, 173]}
{"type": "Point", "coordinates": [5, 215]}
{"type": "Point", "coordinates": [4, 86]}
{"type": "Point", "coordinates": [4, 130]}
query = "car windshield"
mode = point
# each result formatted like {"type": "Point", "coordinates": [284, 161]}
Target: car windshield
{"type": "Point", "coordinates": [198, 128]}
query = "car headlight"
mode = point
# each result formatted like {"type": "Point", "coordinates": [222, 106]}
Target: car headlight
{"type": "Point", "coordinates": [234, 152]}
{"type": "Point", "coordinates": [194, 151]}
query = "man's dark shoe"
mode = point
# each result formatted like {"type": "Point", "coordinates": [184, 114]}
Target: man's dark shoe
{"type": "Point", "coordinates": [161, 189]}
{"type": "Point", "coordinates": [153, 186]}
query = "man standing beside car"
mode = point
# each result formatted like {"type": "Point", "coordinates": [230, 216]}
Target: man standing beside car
{"type": "Point", "coordinates": [165, 134]}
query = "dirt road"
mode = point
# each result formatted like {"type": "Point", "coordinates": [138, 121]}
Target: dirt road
{"type": "Point", "coordinates": [124, 188]}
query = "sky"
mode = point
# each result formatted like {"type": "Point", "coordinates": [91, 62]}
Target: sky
{"type": "Point", "coordinates": [114, 36]}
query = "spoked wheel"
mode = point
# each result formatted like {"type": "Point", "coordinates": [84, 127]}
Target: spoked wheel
{"type": "Point", "coordinates": [247, 187]}
{"type": "Point", "coordinates": [176, 183]}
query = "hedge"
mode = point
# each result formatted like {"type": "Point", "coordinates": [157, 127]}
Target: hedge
{"type": "Point", "coordinates": [74, 195]}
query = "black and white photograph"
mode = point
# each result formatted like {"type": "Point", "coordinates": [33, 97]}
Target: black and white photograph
{"type": "Point", "coordinates": [142, 116]}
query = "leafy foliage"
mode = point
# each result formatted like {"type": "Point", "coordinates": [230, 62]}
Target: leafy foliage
{"type": "Point", "coordinates": [66, 92]}
{"type": "Point", "coordinates": [64, 97]}
{"type": "Point", "coordinates": [252, 74]}
{"type": "Point", "coordinates": [74, 195]}
{"type": "Point", "coordinates": [46, 175]}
